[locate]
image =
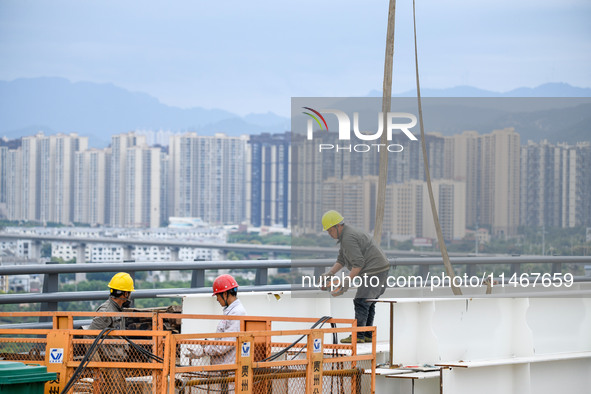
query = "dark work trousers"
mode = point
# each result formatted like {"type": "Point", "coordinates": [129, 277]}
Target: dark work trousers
{"type": "Point", "coordinates": [364, 314]}
{"type": "Point", "coordinates": [365, 311]}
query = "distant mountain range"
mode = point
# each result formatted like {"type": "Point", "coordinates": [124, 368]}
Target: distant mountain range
{"type": "Point", "coordinates": [98, 111]}
{"type": "Point", "coordinates": [101, 110]}
{"type": "Point", "coordinates": [555, 89]}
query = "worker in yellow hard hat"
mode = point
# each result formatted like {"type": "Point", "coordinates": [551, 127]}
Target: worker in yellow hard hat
{"type": "Point", "coordinates": [365, 260]}
{"type": "Point", "coordinates": [121, 286]}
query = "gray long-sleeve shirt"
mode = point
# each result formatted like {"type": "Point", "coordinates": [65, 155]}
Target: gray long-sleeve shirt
{"type": "Point", "coordinates": [358, 250]}
{"type": "Point", "coordinates": [110, 352]}
{"type": "Point", "coordinates": [221, 354]}
{"type": "Point", "coordinates": [100, 322]}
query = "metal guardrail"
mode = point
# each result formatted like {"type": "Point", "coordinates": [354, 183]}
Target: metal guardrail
{"type": "Point", "coordinates": [51, 295]}
{"type": "Point", "coordinates": [176, 244]}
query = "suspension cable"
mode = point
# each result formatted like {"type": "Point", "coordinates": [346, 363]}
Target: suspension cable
{"type": "Point", "coordinates": [386, 103]}
{"type": "Point", "coordinates": [442, 248]}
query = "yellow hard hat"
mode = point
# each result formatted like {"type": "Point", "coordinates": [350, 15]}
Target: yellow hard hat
{"type": "Point", "coordinates": [121, 281]}
{"type": "Point", "coordinates": [331, 218]}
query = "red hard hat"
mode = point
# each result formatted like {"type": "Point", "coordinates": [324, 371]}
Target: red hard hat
{"type": "Point", "coordinates": [224, 283]}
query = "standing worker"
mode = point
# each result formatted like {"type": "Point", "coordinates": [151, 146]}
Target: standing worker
{"type": "Point", "coordinates": [225, 289]}
{"type": "Point", "coordinates": [363, 258]}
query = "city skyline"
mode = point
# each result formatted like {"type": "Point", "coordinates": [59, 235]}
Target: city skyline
{"type": "Point", "coordinates": [489, 180]}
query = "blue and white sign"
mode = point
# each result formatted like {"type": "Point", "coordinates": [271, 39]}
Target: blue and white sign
{"type": "Point", "coordinates": [245, 350]}
{"type": "Point", "coordinates": [56, 356]}
{"type": "Point", "coordinates": [317, 345]}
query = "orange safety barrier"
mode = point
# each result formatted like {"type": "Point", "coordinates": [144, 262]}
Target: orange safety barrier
{"type": "Point", "coordinates": [258, 359]}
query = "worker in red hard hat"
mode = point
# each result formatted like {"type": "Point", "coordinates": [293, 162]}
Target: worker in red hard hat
{"type": "Point", "coordinates": [225, 289]}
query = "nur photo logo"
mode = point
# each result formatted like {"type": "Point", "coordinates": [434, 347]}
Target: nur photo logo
{"type": "Point", "coordinates": [395, 122]}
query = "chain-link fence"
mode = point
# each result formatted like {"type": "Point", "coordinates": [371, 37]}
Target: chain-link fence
{"type": "Point", "coordinates": [27, 349]}
{"type": "Point", "coordinates": [254, 360]}
{"type": "Point", "coordinates": [263, 362]}
{"type": "Point", "coordinates": [118, 363]}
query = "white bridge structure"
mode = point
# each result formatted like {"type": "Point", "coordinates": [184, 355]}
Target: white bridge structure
{"type": "Point", "coordinates": [521, 340]}
{"type": "Point", "coordinates": [512, 342]}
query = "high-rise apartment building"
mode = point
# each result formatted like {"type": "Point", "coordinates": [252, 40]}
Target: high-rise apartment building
{"type": "Point", "coordinates": [541, 184]}
{"type": "Point", "coordinates": [490, 166]}
{"type": "Point", "coordinates": [56, 177]}
{"type": "Point", "coordinates": [207, 177]}
{"type": "Point", "coordinates": [409, 211]}
{"type": "Point", "coordinates": [30, 173]}
{"type": "Point", "coordinates": [462, 162]}
{"type": "Point", "coordinates": [91, 186]}
{"type": "Point", "coordinates": [500, 181]}
{"type": "Point", "coordinates": [14, 185]}
{"type": "Point", "coordinates": [3, 176]}
{"type": "Point", "coordinates": [408, 164]}
{"type": "Point", "coordinates": [164, 206]}
{"type": "Point", "coordinates": [450, 201]}
{"type": "Point", "coordinates": [576, 187]}
{"type": "Point", "coordinates": [354, 197]}
{"type": "Point", "coordinates": [120, 145]}
{"type": "Point", "coordinates": [267, 179]}
{"type": "Point", "coordinates": [307, 169]}
{"type": "Point", "coordinates": [403, 217]}
{"type": "Point", "coordinates": [142, 187]}
{"type": "Point", "coordinates": [40, 176]}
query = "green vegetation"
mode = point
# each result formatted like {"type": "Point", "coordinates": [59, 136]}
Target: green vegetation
{"type": "Point", "coordinates": [257, 239]}
{"type": "Point", "coordinates": [555, 242]}
{"type": "Point", "coordinates": [18, 308]}
{"type": "Point", "coordinates": [24, 223]}
{"type": "Point", "coordinates": [320, 240]}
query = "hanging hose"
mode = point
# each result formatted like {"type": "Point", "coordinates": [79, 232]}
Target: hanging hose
{"type": "Point", "coordinates": [97, 342]}
{"type": "Point", "coordinates": [147, 354]}
{"type": "Point", "coordinates": [275, 356]}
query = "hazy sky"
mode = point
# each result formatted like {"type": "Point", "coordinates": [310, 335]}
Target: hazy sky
{"type": "Point", "coordinates": [253, 56]}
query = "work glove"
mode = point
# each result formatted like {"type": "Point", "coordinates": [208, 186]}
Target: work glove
{"type": "Point", "coordinates": [196, 353]}
{"type": "Point", "coordinates": [325, 279]}
{"type": "Point", "coordinates": [340, 290]}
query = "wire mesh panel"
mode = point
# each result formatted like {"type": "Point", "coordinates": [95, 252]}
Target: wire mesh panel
{"type": "Point", "coordinates": [23, 349]}
{"type": "Point", "coordinates": [107, 380]}
{"type": "Point", "coordinates": [205, 382]}
{"type": "Point", "coordinates": [285, 379]}
{"type": "Point", "coordinates": [342, 377]}
{"type": "Point", "coordinates": [206, 365]}
{"type": "Point", "coordinates": [365, 379]}
{"type": "Point", "coordinates": [117, 364]}
{"type": "Point", "coordinates": [262, 363]}
{"type": "Point", "coordinates": [257, 360]}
